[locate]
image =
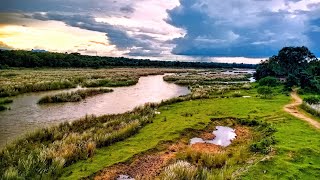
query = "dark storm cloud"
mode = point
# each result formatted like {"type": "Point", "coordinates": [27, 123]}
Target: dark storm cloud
{"type": "Point", "coordinates": [238, 28]}
{"type": "Point", "coordinates": [127, 9]}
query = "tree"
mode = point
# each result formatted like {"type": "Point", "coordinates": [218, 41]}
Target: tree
{"type": "Point", "coordinates": [269, 81]}
{"type": "Point", "coordinates": [297, 64]}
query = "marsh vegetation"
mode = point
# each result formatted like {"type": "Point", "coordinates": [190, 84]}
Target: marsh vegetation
{"type": "Point", "coordinates": [19, 81]}
{"type": "Point", "coordinates": [3, 103]}
{"type": "Point", "coordinates": [208, 77]}
{"type": "Point", "coordinates": [75, 96]}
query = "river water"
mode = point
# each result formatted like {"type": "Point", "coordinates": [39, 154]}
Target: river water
{"type": "Point", "coordinates": [26, 115]}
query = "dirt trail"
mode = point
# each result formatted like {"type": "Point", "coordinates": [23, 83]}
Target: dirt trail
{"type": "Point", "coordinates": [292, 108]}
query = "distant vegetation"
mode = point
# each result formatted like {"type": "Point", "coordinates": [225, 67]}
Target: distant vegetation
{"type": "Point", "coordinates": [75, 96]}
{"type": "Point", "coordinates": [19, 81]}
{"type": "Point", "coordinates": [296, 66]}
{"type": "Point", "coordinates": [206, 78]}
{"type": "Point", "coordinates": [19, 58]}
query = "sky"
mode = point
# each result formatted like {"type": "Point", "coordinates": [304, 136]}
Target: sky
{"type": "Point", "coordinates": [243, 31]}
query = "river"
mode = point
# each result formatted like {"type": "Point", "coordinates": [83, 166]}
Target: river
{"type": "Point", "coordinates": [26, 115]}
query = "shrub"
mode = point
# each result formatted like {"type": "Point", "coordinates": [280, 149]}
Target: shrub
{"type": "Point", "coordinates": [265, 91]}
{"type": "Point", "coordinates": [263, 146]}
{"type": "Point", "coordinates": [312, 99]}
{"type": "Point", "coordinates": [269, 81]}
{"type": "Point", "coordinates": [305, 106]}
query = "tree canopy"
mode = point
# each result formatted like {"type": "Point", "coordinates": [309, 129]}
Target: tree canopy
{"type": "Point", "coordinates": [19, 58]}
{"type": "Point", "coordinates": [297, 65]}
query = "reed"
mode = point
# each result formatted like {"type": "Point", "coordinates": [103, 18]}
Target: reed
{"type": "Point", "coordinates": [75, 96]}
{"type": "Point", "coordinates": [44, 153]}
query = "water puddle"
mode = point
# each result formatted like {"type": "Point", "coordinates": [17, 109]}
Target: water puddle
{"type": "Point", "coordinates": [124, 177]}
{"type": "Point", "coordinates": [223, 137]}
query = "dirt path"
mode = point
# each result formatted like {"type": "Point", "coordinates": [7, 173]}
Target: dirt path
{"type": "Point", "coordinates": [292, 108]}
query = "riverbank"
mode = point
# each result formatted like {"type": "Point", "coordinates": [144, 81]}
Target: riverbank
{"type": "Point", "coordinates": [30, 115]}
{"type": "Point", "coordinates": [172, 121]}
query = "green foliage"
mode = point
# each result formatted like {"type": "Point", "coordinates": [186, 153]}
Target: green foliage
{"type": "Point", "coordinates": [312, 99]}
{"type": "Point", "coordinates": [19, 58]}
{"type": "Point", "coordinates": [75, 96]}
{"type": "Point", "coordinates": [305, 106]}
{"type": "Point", "coordinates": [6, 101]}
{"type": "Point", "coordinates": [263, 146]}
{"type": "Point", "coordinates": [297, 64]}
{"type": "Point", "coordinates": [269, 81]}
{"type": "Point", "coordinates": [265, 91]}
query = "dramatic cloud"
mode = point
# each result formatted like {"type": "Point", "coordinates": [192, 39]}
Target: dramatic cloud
{"type": "Point", "coordinates": [250, 28]}
{"type": "Point", "coordinates": [5, 46]}
{"type": "Point", "coordinates": [197, 30]}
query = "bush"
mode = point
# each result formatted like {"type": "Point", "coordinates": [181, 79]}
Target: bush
{"type": "Point", "coordinates": [265, 91]}
{"type": "Point", "coordinates": [263, 146]}
{"type": "Point", "coordinates": [269, 81]}
{"type": "Point", "coordinates": [305, 106]}
{"type": "Point", "coordinates": [312, 99]}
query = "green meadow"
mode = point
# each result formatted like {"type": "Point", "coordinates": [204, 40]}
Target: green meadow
{"type": "Point", "coordinates": [295, 155]}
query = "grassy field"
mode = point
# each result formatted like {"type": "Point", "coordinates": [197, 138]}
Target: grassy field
{"type": "Point", "coordinates": [290, 141]}
{"type": "Point", "coordinates": [18, 81]}
{"type": "Point", "coordinates": [294, 156]}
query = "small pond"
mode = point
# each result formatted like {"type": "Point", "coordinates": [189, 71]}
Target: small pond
{"type": "Point", "coordinates": [223, 137]}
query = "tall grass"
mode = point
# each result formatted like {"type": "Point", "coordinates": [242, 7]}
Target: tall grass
{"type": "Point", "coordinates": [76, 96]}
{"type": "Point", "coordinates": [45, 152]}
{"type": "Point", "coordinates": [110, 83]}
{"type": "Point", "coordinates": [306, 106]}
{"type": "Point", "coordinates": [36, 87]}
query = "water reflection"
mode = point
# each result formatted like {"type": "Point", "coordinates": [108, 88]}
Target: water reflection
{"type": "Point", "coordinates": [223, 137]}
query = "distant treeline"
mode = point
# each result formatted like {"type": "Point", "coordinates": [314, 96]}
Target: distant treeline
{"type": "Point", "coordinates": [28, 59]}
